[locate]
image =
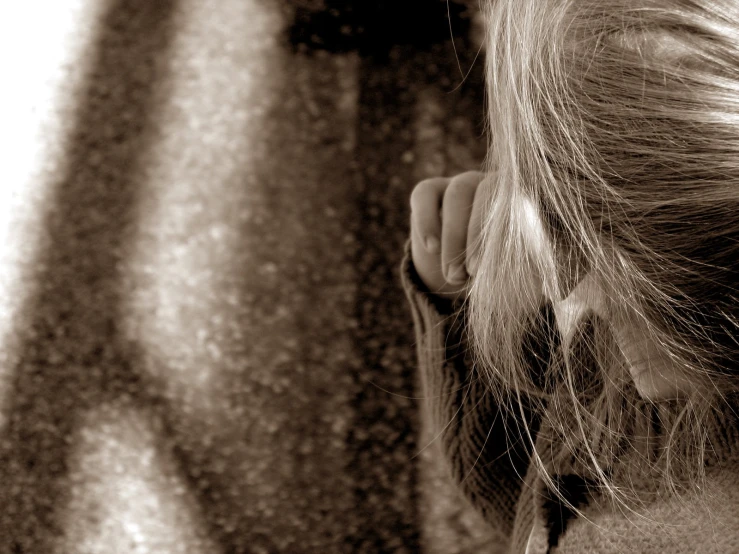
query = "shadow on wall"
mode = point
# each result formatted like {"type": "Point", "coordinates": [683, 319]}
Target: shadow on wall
{"type": "Point", "coordinates": [407, 61]}
{"type": "Point", "coordinates": [75, 357]}
{"type": "Point", "coordinates": [78, 357]}
{"type": "Point", "coordinates": [373, 28]}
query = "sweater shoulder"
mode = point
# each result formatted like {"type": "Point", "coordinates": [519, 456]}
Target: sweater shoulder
{"type": "Point", "coordinates": [705, 520]}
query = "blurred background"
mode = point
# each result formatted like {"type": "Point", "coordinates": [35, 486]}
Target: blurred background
{"type": "Point", "coordinates": [205, 347]}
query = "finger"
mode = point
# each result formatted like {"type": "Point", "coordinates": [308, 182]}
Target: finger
{"type": "Point", "coordinates": [427, 264]}
{"type": "Point", "coordinates": [426, 200]}
{"type": "Point", "coordinates": [474, 229]}
{"type": "Point", "coordinates": [456, 210]}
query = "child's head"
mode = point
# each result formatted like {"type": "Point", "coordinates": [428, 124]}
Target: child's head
{"type": "Point", "coordinates": [615, 168]}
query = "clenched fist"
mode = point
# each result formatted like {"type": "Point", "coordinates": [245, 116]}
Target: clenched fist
{"type": "Point", "coordinates": [446, 218]}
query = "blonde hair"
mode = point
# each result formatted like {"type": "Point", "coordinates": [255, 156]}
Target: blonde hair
{"type": "Point", "coordinates": [614, 154]}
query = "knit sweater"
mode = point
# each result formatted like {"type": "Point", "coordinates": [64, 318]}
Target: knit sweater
{"type": "Point", "coordinates": [494, 471]}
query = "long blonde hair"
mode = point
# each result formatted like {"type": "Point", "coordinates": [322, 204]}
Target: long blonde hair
{"type": "Point", "coordinates": [614, 157]}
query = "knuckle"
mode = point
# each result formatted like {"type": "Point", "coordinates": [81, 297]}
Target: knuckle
{"type": "Point", "coordinates": [466, 181]}
{"type": "Point", "coordinates": [416, 193]}
{"type": "Point", "coordinates": [422, 191]}
{"type": "Point", "coordinates": [455, 186]}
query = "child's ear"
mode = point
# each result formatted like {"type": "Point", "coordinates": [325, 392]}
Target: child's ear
{"type": "Point", "coordinates": [654, 373]}
{"type": "Point", "coordinates": [651, 369]}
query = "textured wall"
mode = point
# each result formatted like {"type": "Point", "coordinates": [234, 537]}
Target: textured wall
{"type": "Point", "coordinates": [205, 345]}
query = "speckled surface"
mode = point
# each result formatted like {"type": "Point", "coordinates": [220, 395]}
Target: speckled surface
{"type": "Point", "coordinates": [205, 344]}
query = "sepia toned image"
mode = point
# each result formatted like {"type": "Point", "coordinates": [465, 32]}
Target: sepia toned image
{"type": "Point", "coordinates": [369, 276]}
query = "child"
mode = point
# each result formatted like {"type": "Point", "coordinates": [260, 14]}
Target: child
{"type": "Point", "coordinates": [576, 304]}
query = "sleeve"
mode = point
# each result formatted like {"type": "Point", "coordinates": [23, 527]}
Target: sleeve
{"type": "Point", "coordinates": [483, 445]}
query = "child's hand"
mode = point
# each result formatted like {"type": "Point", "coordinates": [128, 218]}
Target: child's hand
{"type": "Point", "coordinates": [446, 218]}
